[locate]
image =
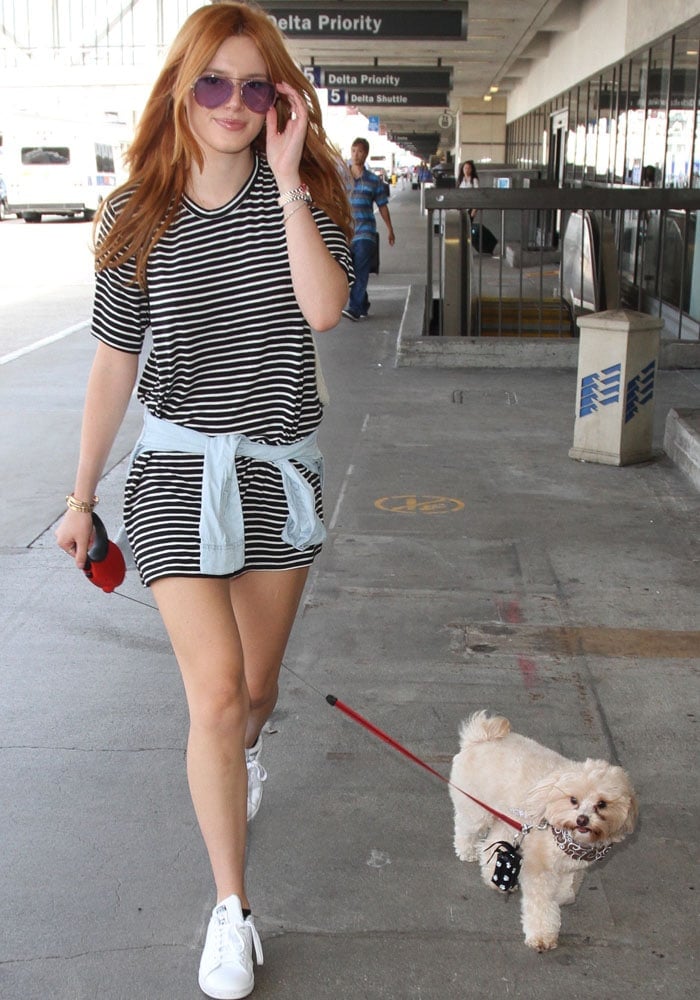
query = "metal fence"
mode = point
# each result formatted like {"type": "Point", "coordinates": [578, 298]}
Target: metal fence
{"type": "Point", "coordinates": [527, 262]}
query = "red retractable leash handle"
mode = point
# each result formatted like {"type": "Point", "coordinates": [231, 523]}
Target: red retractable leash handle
{"type": "Point", "coordinates": [104, 566]}
{"type": "Point", "coordinates": [356, 717]}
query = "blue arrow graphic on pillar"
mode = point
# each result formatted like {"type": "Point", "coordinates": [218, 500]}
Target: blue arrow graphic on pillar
{"type": "Point", "coordinates": [600, 389]}
{"type": "Point", "coordinates": [640, 390]}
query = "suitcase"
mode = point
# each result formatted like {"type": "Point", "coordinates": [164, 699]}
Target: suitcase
{"type": "Point", "coordinates": [374, 266]}
{"type": "Point", "coordinates": [483, 239]}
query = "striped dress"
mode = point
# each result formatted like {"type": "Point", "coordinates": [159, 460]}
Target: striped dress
{"type": "Point", "coordinates": [230, 353]}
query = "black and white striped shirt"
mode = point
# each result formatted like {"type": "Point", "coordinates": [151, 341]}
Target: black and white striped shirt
{"type": "Point", "coordinates": [231, 350]}
{"type": "Point", "coordinates": [231, 354]}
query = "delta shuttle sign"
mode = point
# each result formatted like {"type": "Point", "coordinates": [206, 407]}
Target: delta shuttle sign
{"type": "Point", "coordinates": [417, 87]}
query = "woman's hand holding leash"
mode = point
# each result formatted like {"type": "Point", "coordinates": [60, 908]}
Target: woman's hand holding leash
{"type": "Point", "coordinates": [74, 534]}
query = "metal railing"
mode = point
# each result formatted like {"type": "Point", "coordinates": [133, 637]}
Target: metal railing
{"type": "Point", "coordinates": [560, 252]}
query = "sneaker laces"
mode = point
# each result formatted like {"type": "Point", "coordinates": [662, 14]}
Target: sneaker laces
{"type": "Point", "coordinates": [232, 936]}
{"type": "Point", "coordinates": [256, 770]}
{"type": "Point", "coordinates": [256, 774]}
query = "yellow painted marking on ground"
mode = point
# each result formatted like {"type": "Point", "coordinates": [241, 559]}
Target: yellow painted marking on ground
{"type": "Point", "coordinates": [412, 504]}
{"type": "Point", "coordinates": [590, 640]}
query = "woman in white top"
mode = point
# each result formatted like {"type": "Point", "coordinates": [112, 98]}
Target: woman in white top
{"type": "Point", "coordinates": [469, 178]}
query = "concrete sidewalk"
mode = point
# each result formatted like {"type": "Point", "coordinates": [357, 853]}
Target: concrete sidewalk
{"type": "Point", "coordinates": [470, 564]}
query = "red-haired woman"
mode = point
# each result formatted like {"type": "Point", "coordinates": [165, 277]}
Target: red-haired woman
{"type": "Point", "coordinates": [230, 243]}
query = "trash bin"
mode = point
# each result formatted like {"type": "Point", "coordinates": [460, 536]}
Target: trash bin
{"type": "Point", "coordinates": [425, 186]}
{"type": "Point", "coordinates": [617, 363]}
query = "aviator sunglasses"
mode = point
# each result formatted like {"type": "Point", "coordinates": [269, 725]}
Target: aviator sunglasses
{"type": "Point", "coordinates": [211, 91]}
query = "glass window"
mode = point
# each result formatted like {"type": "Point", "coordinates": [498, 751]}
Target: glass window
{"type": "Point", "coordinates": [696, 154]}
{"type": "Point", "coordinates": [591, 150]}
{"type": "Point", "coordinates": [104, 158]}
{"type": "Point", "coordinates": [681, 111]}
{"type": "Point", "coordinates": [607, 125]}
{"type": "Point", "coordinates": [636, 118]}
{"type": "Point", "coordinates": [78, 32]}
{"type": "Point", "coordinates": [571, 135]}
{"type": "Point", "coordinates": [622, 112]}
{"type": "Point", "coordinates": [51, 155]}
{"type": "Point", "coordinates": [658, 81]}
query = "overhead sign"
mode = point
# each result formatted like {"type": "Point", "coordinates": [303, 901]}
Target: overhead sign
{"type": "Point", "coordinates": [414, 138]}
{"type": "Point", "coordinates": [382, 77]}
{"type": "Point", "coordinates": [353, 19]}
{"type": "Point", "coordinates": [423, 144]}
{"type": "Point", "coordinates": [339, 96]}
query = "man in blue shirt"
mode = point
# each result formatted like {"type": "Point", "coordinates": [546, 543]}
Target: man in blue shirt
{"type": "Point", "coordinates": [365, 191]}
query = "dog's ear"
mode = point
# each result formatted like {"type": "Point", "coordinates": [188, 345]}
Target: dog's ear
{"type": "Point", "coordinates": [632, 814]}
{"type": "Point", "coordinates": [625, 804]}
{"type": "Point", "coordinates": [539, 795]}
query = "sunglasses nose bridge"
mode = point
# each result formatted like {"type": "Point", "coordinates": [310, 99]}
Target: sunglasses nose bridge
{"type": "Point", "coordinates": [235, 96]}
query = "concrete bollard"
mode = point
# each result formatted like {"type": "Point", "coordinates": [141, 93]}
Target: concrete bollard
{"type": "Point", "coordinates": [617, 365]}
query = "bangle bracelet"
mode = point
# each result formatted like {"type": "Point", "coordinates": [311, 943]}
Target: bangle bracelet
{"type": "Point", "coordinates": [300, 193]}
{"type": "Point", "coordinates": [81, 506]}
{"type": "Point", "coordinates": [296, 208]}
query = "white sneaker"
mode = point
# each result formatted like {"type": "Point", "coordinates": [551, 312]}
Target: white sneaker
{"type": "Point", "coordinates": [226, 967]}
{"type": "Point", "coordinates": [256, 775]}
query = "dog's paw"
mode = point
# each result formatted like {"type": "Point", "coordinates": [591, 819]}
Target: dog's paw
{"type": "Point", "coordinates": [540, 943]}
{"type": "Point", "coordinates": [466, 850]}
{"type": "Point", "coordinates": [467, 855]}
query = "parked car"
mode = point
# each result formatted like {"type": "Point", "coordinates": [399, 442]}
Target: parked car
{"type": "Point", "coordinates": [3, 200]}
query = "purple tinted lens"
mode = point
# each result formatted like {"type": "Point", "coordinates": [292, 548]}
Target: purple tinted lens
{"type": "Point", "coordinates": [212, 91]}
{"type": "Point", "coordinates": [258, 96]}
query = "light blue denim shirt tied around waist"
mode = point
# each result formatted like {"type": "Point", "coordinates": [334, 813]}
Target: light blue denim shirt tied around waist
{"type": "Point", "coordinates": [221, 526]}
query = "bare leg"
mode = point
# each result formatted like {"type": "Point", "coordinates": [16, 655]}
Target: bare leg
{"type": "Point", "coordinates": [265, 604]}
{"type": "Point", "coordinates": [203, 631]}
{"type": "Point", "coordinates": [229, 638]}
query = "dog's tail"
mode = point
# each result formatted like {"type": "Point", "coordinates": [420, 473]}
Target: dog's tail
{"type": "Point", "coordinates": [480, 728]}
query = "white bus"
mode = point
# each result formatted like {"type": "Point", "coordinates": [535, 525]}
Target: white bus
{"type": "Point", "coordinates": [382, 164]}
{"type": "Point", "coordinates": [58, 168]}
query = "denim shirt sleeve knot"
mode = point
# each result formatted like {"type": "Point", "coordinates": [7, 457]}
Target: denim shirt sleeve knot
{"type": "Point", "coordinates": [221, 528]}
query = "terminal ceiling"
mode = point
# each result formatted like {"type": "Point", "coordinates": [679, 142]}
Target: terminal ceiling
{"type": "Point", "coordinates": [501, 41]}
{"type": "Point", "coordinates": [504, 37]}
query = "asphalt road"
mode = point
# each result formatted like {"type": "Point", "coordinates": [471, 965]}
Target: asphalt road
{"type": "Point", "coordinates": [46, 287]}
{"type": "Point", "coordinates": [470, 564]}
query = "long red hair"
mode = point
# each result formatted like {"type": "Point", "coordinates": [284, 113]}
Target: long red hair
{"type": "Point", "coordinates": [164, 146]}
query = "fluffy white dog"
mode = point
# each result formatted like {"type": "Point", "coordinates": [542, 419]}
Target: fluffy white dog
{"type": "Point", "coordinates": [578, 811]}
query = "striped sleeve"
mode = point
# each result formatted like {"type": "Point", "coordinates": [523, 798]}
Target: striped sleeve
{"type": "Point", "coordinates": [335, 241]}
{"type": "Point", "coordinates": [120, 310]}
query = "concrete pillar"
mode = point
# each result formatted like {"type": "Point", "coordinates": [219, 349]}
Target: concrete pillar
{"type": "Point", "coordinates": [617, 364]}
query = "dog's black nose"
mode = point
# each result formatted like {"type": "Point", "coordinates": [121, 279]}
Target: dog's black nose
{"type": "Point", "coordinates": [582, 820]}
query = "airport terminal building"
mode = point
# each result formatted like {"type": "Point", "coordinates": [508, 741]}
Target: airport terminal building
{"type": "Point", "coordinates": [577, 92]}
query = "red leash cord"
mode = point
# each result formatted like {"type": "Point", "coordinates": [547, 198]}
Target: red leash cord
{"type": "Point", "coordinates": [356, 717]}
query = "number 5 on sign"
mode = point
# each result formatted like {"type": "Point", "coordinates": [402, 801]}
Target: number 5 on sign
{"type": "Point", "coordinates": [336, 97]}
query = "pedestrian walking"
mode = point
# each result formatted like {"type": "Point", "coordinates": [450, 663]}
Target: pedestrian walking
{"type": "Point", "coordinates": [229, 241]}
{"type": "Point", "coordinates": [366, 190]}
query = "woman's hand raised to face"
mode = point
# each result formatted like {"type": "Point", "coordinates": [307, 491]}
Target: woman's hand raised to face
{"type": "Point", "coordinates": [284, 148]}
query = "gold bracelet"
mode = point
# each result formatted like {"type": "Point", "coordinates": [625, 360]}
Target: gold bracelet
{"type": "Point", "coordinates": [296, 208]}
{"type": "Point", "coordinates": [81, 506]}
